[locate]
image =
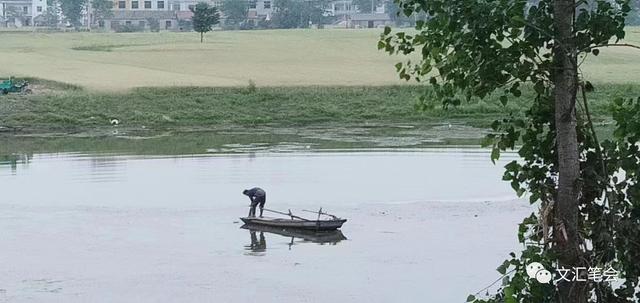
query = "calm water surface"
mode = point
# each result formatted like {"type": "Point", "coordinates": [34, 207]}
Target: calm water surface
{"type": "Point", "coordinates": [425, 225]}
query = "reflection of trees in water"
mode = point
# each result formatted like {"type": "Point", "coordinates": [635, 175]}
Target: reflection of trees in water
{"type": "Point", "coordinates": [12, 160]}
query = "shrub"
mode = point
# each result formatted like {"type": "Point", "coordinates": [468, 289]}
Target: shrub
{"type": "Point", "coordinates": [185, 25]}
{"type": "Point", "coordinates": [154, 25]}
{"type": "Point", "coordinates": [129, 28]}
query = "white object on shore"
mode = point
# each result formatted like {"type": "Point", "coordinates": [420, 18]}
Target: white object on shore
{"type": "Point", "coordinates": [115, 122]}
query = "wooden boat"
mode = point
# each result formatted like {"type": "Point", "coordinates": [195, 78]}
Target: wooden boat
{"type": "Point", "coordinates": [332, 224]}
{"type": "Point", "coordinates": [296, 222]}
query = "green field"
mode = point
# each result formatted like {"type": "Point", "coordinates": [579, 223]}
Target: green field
{"type": "Point", "coordinates": [302, 78]}
{"type": "Point", "coordinates": [110, 61]}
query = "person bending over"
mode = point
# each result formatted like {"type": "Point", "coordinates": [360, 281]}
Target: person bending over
{"type": "Point", "coordinates": [257, 196]}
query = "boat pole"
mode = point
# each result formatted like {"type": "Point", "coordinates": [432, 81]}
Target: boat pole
{"type": "Point", "coordinates": [286, 214]}
{"type": "Point", "coordinates": [315, 212]}
{"type": "Point", "coordinates": [318, 221]}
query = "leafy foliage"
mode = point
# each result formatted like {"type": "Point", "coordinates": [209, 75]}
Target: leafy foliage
{"type": "Point", "coordinates": [475, 49]}
{"type": "Point", "coordinates": [204, 18]}
{"type": "Point", "coordinates": [52, 13]}
{"type": "Point", "coordinates": [235, 12]}
{"type": "Point", "coordinates": [72, 11]}
{"type": "Point", "coordinates": [154, 24]}
{"type": "Point", "coordinates": [102, 9]}
{"type": "Point", "coordinates": [398, 17]}
{"type": "Point", "coordinates": [298, 14]}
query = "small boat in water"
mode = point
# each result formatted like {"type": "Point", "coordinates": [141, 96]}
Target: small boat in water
{"type": "Point", "coordinates": [296, 222]}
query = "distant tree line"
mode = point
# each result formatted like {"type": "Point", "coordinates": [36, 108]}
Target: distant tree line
{"type": "Point", "coordinates": [70, 12]}
{"type": "Point", "coordinates": [286, 14]}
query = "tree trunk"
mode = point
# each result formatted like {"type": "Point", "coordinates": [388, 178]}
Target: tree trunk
{"type": "Point", "coordinates": [566, 238]}
{"type": "Point", "coordinates": [201, 37]}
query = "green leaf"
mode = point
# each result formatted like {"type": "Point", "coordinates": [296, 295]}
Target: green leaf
{"type": "Point", "coordinates": [588, 87]}
{"type": "Point", "coordinates": [471, 298]}
{"type": "Point", "coordinates": [504, 99]}
{"type": "Point", "coordinates": [495, 154]}
{"type": "Point", "coordinates": [618, 101]}
{"type": "Point", "coordinates": [517, 19]}
{"type": "Point", "coordinates": [595, 51]}
{"type": "Point", "coordinates": [508, 295]}
{"type": "Point", "coordinates": [539, 87]}
{"type": "Point", "coordinates": [508, 291]}
{"type": "Point", "coordinates": [387, 30]}
{"type": "Point", "coordinates": [505, 281]}
{"type": "Point", "coordinates": [502, 269]}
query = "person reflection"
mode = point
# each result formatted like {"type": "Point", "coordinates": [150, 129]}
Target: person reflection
{"type": "Point", "coordinates": [257, 246]}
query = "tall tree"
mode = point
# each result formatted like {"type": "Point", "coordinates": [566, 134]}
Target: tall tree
{"type": "Point", "coordinates": [72, 11]}
{"type": "Point", "coordinates": [204, 18]}
{"type": "Point", "coordinates": [235, 11]}
{"type": "Point", "coordinates": [298, 13]}
{"type": "Point", "coordinates": [52, 14]}
{"type": "Point", "coordinates": [396, 14]}
{"type": "Point", "coordinates": [564, 77]}
{"type": "Point", "coordinates": [102, 9]}
{"type": "Point", "coordinates": [589, 215]}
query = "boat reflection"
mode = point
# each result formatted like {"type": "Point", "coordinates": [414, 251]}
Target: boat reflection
{"type": "Point", "coordinates": [258, 244]}
{"type": "Point", "coordinates": [257, 247]}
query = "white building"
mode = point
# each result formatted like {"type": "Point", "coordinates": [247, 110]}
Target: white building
{"type": "Point", "coordinates": [140, 13]}
{"type": "Point", "coordinates": [341, 8]}
{"type": "Point", "coordinates": [186, 5]}
{"type": "Point", "coordinates": [141, 5]}
{"type": "Point", "coordinates": [18, 13]}
{"type": "Point", "coordinates": [260, 9]}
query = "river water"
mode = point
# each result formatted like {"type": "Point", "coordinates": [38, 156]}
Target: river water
{"type": "Point", "coordinates": [426, 224]}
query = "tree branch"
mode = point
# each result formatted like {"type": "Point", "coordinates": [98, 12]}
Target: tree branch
{"type": "Point", "coordinates": [614, 44]}
{"type": "Point", "coordinates": [494, 282]}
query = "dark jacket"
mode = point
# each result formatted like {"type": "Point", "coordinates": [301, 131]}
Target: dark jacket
{"type": "Point", "coordinates": [256, 193]}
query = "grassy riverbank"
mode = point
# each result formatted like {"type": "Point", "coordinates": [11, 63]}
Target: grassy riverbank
{"type": "Point", "coordinates": [170, 81]}
{"type": "Point", "coordinates": [58, 107]}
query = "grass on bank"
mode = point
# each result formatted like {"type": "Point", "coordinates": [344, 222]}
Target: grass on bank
{"type": "Point", "coordinates": [68, 108]}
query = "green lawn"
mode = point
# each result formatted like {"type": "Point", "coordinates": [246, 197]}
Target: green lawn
{"type": "Point", "coordinates": [110, 61]}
